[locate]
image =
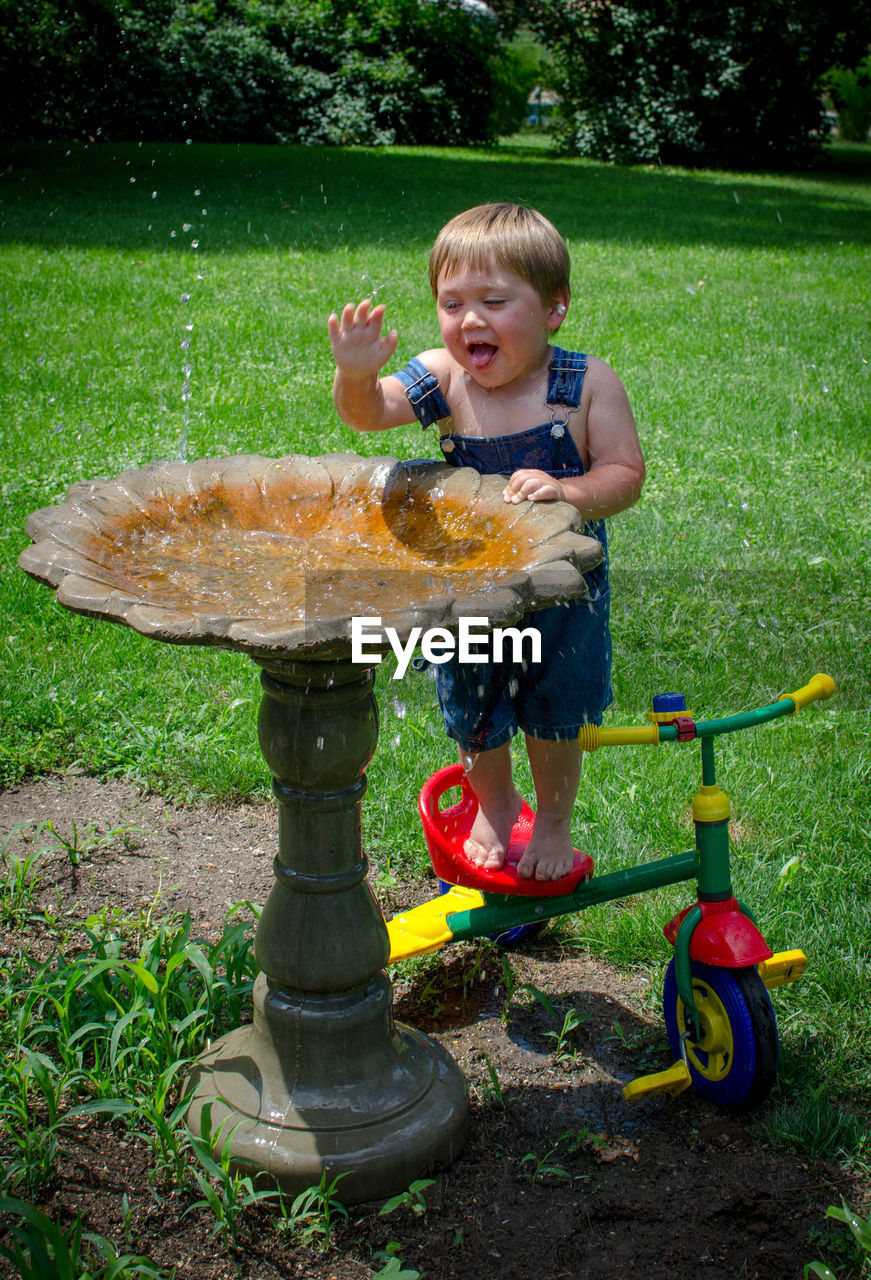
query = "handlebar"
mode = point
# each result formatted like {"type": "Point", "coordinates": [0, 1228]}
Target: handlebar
{"type": "Point", "coordinates": [594, 736]}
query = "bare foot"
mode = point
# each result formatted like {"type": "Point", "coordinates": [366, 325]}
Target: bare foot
{"type": "Point", "coordinates": [549, 854]}
{"type": "Point", "coordinates": [488, 841]}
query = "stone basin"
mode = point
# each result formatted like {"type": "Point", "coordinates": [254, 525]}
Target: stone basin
{"type": "Point", "coordinates": [276, 555]}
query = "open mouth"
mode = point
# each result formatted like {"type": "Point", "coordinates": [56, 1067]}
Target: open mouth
{"type": "Point", "coordinates": [481, 354]}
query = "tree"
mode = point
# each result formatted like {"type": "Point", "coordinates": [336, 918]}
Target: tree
{"type": "Point", "coordinates": [310, 71]}
{"type": "Point", "coordinates": [724, 82]}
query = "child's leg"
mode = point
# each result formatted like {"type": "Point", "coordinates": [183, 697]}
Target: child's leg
{"type": "Point", "coordinates": [499, 803]}
{"type": "Point", "coordinates": [556, 772]}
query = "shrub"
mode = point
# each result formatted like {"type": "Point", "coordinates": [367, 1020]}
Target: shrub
{"type": "Point", "coordinates": [310, 71]}
{"type": "Point", "coordinates": [851, 93]}
{"type": "Point", "coordinates": [731, 84]}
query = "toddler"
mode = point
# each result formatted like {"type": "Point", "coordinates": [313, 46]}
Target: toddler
{"type": "Point", "coordinates": [558, 426]}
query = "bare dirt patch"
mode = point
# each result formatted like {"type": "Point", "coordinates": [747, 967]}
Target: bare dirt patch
{"type": "Point", "coordinates": [559, 1178]}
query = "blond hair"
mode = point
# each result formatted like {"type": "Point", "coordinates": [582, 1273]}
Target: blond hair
{"type": "Point", "coordinates": [520, 239]}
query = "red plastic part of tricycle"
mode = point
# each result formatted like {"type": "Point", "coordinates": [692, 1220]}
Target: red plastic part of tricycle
{"type": "Point", "coordinates": [724, 936]}
{"type": "Point", "coordinates": [446, 831]}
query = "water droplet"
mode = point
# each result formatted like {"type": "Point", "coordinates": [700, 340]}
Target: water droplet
{"type": "Point", "coordinates": [319, 744]}
{"type": "Point", "coordinates": [185, 299]}
{"type": "Point", "coordinates": [132, 179]}
{"type": "Point", "coordinates": [154, 195]}
{"type": "Point", "coordinates": [186, 226]}
{"type": "Point", "coordinates": [400, 709]}
{"type": "Point", "coordinates": [188, 141]}
{"type": "Point", "coordinates": [197, 191]}
{"type": "Point", "coordinates": [195, 244]}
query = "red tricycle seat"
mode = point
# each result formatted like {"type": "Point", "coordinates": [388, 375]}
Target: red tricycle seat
{"type": "Point", "coordinates": [446, 831]}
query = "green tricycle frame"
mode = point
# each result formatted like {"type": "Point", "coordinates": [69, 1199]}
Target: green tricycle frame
{"type": "Point", "coordinates": [718, 1015]}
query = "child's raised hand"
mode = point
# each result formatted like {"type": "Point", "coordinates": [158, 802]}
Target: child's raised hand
{"type": "Point", "coordinates": [536, 486]}
{"type": "Point", "coordinates": [359, 348]}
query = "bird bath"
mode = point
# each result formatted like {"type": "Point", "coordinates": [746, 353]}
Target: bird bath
{"type": "Point", "coordinates": [274, 557]}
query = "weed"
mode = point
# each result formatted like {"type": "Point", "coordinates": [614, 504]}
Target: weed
{"type": "Point", "coordinates": [313, 1214]}
{"type": "Point", "coordinates": [78, 848]}
{"type": "Point", "coordinates": [542, 997]}
{"type": "Point", "coordinates": [33, 1088]}
{"type": "Point", "coordinates": [535, 1168]}
{"type": "Point", "coordinates": [393, 1268]}
{"type": "Point", "coordinates": [413, 1199]}
{"type": "Point", "coordinates": [42, 1251]}
{"type": "Point", "coordinates": [859, 1258]}
{"type": "Point", "coordinates": [509, 982]}
{"type": "Point", "coordinates": [20, 882]}
{"type": "Point", "coordinates": [225, 1190]}
{"type": "Point", "coordinates": [491, 1089]}
{"type": "Point", "coordinates": [571, 1022]}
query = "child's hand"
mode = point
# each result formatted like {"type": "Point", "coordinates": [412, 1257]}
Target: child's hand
{"type": "Point", "coordinates": [359, 349]}
{"type": "Point", "coordinates": [537, 486]}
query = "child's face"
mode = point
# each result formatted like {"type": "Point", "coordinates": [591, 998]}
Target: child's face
{"type": "Point", "coordinates": [494, 323]}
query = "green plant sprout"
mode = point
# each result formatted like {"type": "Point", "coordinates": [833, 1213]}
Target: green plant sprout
{"type": "Point", "coordinates": [226, 1191]}
{"type": "Point", "coordinates": [534, 1168]}
{"type": "Point", "coordinates": [860, 1229]}
{"type": "Point", "coordinates": [314, 1212]}
{"type": "Point", "coordinates": [413, 1198]}
{"type": "Point", "coordinates": [43, 1251]}
{"type": "Point", "coordinates": [491, 1089]}
{"type": "Point", "coordinates": [571, 1022]}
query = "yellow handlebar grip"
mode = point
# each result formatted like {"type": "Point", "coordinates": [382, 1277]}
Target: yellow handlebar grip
{"type": "Point", "coordinates": [821, 686]}
{"type": "Point", "coordinates": [592, 736]}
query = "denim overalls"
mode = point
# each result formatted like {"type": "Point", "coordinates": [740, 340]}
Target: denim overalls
{"type": "Point", "coordinates": [484, 703]}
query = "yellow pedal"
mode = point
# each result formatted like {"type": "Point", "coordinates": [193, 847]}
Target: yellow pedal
{"type": "Point", "coordinates": [673, 1081]}
{"type": "Point", "coordinates": [425, 928]}
{"type": "Point", "coordinates": [786, 966]}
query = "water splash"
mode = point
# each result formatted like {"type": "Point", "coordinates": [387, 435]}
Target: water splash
{"type": "Point", "coordinates": [187, 367]}
{"type": "Point", "coordinates": [370, 289]}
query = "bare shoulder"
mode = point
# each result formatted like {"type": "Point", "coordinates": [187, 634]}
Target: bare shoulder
{"type": "Point", "coordinates": [601, 379]}
{"type": "Point", "coordinates": [604, 396]}
{"type": "Point", "coordinates": [439, 363]}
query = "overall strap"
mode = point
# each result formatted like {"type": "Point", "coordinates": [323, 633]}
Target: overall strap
{"type": "Point", "coordinates": [566, 378]}
{"type": "Point", "coordinates": [424, 393]}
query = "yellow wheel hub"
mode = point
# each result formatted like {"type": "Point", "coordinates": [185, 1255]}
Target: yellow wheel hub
{"type": "Point", "coordinates": [712, 1055]}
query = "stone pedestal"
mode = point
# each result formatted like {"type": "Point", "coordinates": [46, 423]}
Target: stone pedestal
{"type": "Point", "coordinates": [324, 1080]}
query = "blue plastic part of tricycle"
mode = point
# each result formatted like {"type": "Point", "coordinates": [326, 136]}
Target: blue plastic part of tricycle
{"type": "Point", "coordinates": [669, 702]}
{"type": "Point", "coordinates": [747, 1076]}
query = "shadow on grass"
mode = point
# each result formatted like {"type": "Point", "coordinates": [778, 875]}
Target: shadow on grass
{"type": "Point", "coordinates": [142, 197]}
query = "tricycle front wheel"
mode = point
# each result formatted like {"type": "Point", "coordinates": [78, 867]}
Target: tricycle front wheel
{"type": "Point", "coordinates": [735, 1061]}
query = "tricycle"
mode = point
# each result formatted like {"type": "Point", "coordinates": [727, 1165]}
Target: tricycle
{"type": "Point", "coordinates": [718, 1015]}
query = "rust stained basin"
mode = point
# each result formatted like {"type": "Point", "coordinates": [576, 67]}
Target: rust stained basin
{"type": "Point", "coordinates": [276, 555]}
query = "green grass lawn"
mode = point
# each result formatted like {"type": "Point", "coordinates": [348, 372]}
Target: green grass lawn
{"type": "Point", "coordinates": [734, 307]}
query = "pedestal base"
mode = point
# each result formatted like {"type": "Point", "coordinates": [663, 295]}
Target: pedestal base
{"type": "Point", "coordinates": [330, 1083]}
